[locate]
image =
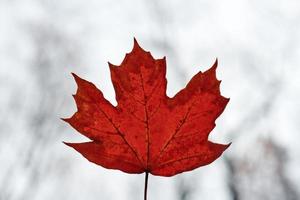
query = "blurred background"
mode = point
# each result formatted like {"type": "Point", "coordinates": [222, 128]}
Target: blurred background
{"type": "Point", "coordinates": [257, 43]}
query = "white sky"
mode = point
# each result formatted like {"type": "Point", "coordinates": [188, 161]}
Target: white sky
{"type": "Point", "coordinates": [257, 45]}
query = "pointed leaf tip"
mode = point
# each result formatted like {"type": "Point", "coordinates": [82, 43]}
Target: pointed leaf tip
{"type": "Point", "coordinates": [65, 119]}
{"type": "Point", "coordinates": [228, 145]}
{"type": "Point", "coordinates": [77, 78]}
{"type": "Point", "coordinates": [67, 143]}
{"type": "Point", "coordinates": [215, 65]}
{"type": "Point", "coordinates": [73, 74]}
{"type": "Point", "coordinates": [213, 70]}
{"type": "Point", "coordinates": [216, 62]}
{"type": "Point", "coordinates": [111, 65]}
{"type": "Point", "coordinates": [136, 45]}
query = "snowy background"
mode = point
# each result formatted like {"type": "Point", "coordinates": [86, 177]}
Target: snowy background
{"type": "Point", "coordinates": [258, 46]}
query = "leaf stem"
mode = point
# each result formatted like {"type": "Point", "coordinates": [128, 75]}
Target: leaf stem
{"type": "Point", "coordinates": [146, 185]}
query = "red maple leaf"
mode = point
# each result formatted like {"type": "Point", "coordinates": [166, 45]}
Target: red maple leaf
{"type": "Point", "coordinates": [148, 131]}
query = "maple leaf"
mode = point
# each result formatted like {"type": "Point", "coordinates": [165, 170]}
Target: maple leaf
{"type": "Point", "coordinates": [148, 131]}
